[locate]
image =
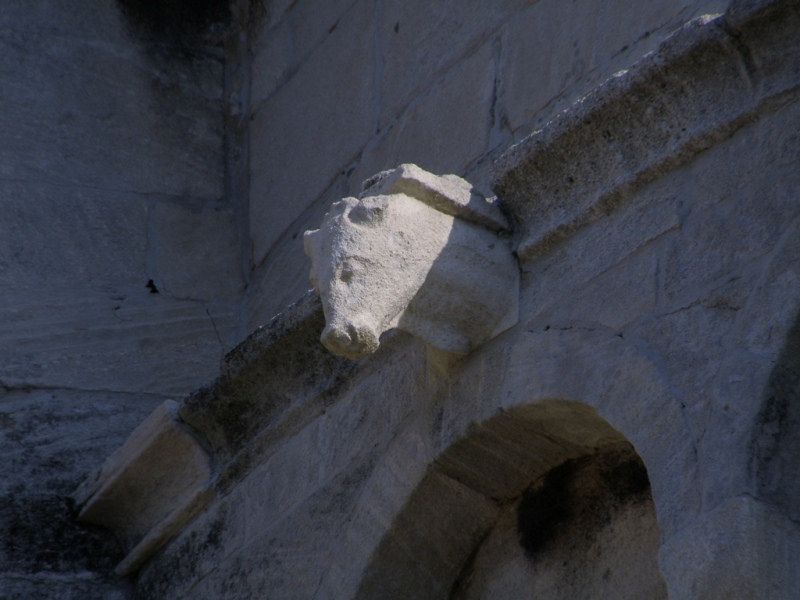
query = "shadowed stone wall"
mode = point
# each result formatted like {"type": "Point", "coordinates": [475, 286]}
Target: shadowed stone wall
{"type": "Point", "coordinates": [119, 256]}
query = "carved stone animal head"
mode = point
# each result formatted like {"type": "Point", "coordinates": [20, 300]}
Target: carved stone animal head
{"type": "Point", "coordinates": [398, 257]}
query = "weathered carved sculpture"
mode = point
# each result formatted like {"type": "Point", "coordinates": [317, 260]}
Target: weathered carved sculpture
{"type": "Point", "coordinates": [417, 252]}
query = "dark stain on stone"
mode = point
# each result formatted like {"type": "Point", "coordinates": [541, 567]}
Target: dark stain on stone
{"type": "Point", "coordinates": [214, 536]}
{"type": "Point", "coordinates": [544, 509]}
{"type": "Point", "coordinates": [7, 421]}
{"type": "Point", "coordinates": [775, 446]}
{"type": "Point", "coordinates": [583, 494]}
{"type": "Point", "coordinates": [177, 25]}
{"type": "Point", "coordinates": [42, 535]}
{"type": "Point", "coordinates": [627, 479]}
{"type": "Point", "coordinates": [180, 563]}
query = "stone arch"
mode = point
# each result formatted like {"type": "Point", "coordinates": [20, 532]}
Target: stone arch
{"type": "Point", "coordinates": [629, 388]}
{"type": "Point", "coordinates": [515, 495]}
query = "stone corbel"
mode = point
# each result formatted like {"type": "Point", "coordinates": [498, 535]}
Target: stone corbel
{"type": "Point", "coordinates": [418, 252]}
{"type": "Point", "coordinates": [150, 488]}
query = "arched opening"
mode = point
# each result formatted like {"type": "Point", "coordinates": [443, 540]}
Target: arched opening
{"type": "Point", "coordinates": [544, 500]}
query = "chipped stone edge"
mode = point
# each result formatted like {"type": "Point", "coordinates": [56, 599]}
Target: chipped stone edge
{"type": "Point", "coordinates": [598, 152]}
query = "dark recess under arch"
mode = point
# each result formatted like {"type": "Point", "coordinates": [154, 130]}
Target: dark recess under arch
{"type": "Point", "coordinates": [551, 467]}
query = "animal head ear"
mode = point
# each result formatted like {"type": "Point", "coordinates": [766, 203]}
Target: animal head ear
{"type": "Point", "coordinates": [370, 210]}
{"type": "Point", "coordinates": [308, 242]}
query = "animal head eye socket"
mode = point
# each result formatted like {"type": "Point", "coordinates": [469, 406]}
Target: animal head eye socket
{"type": "Point", "coordinates": [346, 274]}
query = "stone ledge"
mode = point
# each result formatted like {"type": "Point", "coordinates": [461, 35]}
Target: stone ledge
{"type": "Point", "coordinates": [307, 308]}
{"type": "Point", "coordinates": [150, 488]}
{"type": "Point", "coordinates": [280, 367]}
{"type": "Point", "coordinates": [648, 120]}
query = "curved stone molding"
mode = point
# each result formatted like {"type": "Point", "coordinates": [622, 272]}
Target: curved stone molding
{"type": "Point", "coordinates": [417, 252]}
{"type": "Point", "coordinates": [706, 81]}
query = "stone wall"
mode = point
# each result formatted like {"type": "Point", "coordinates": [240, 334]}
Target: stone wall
{"type": "Point", "coordinates": [119, 257]}
{"type": "Point", "coordinates": [670, 323]}
{"type": "Point", "coordinates": [157, 169]}
{"type": "Point", "coordinates": [343, 91]}
{"type": "Point", "coordinates": [649, 389]}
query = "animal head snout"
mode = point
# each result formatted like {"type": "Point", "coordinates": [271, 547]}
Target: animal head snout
{"type": "Point", "coordinates": [349, 340]}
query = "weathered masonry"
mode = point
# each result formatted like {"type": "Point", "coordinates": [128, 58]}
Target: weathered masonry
{"type": "Point", "coordinates": [559, 358]}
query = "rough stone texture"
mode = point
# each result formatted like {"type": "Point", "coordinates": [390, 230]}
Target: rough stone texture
{"type": "Point", "coordinates": [44, 235]}
{"type": "Point", "coordinates": [125, 339]}
{"type": "Point", "coordinates": [289, 471]}
{"type": "Point", "coordinates": [762, 565]}
{"type": "Point", "coordinates": [667, 317]}
{"type": "Point", "coordinates": [75, 263]}
{"type": "Point", "coordinates": [112, 129]}
{"type": "Point", "coordinates": [49, 441]}
{"type": "Point", "coordinates": [108, 128]}
{"type": "Point", "coordinates": [448, 194]}
{"type": "Point", "coordinates": [198, 252]}
{"type": "Point", "coordinates": [586, 530]}
{"type": "Point", "coordinates": [61, 90]}
{"type": "Point", "coordinates": [774, 447]}
{"type": "Point", "coordinates": [664, 324]}
{"type": "Point", "coordinates": [570, 173]}
{"type": "Point", "coordinates": [278, 372]}
{"type": "Point", "coordinates": [701, 310]}
{"type": "Point", "coordinates": [108, 132]}
{"type": "Point", "coordinates": [287, 264]}
{"type": "Point", "coordinates": [422, 40]}
{"type": "Point", "coordinates": [149, 489]}
{"type": "Point", "coordinates": [458, 109]}
{"type": "Point", "coordinates": [55, 587]}
{"type": "Point", "coordinates": [554, 46]}
{"type": "Point", "coordinates": [286, 176]}
{"type": "Point", "coordinates": [464, 497]}
{"type": "Point", "coordinates": [311, 23]}
{"type": "Point", "coordinates": [270, 67]}
{"type": "Point", "coordinates": [408, 255]}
